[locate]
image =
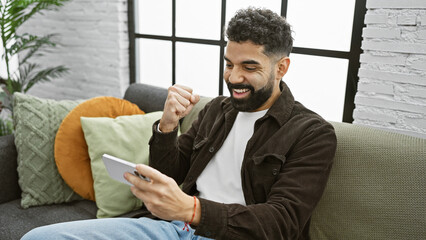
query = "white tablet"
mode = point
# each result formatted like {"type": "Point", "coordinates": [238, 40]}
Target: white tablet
{"type": "Point", "coordinates": [116, 168]}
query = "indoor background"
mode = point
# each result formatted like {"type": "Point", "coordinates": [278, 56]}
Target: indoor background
{"type": "Point", "coordinates": [354, 61]}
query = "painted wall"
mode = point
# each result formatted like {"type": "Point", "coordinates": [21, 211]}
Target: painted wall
{"type": "Point", "coordinates": [392, 86]}
{"type": "Point", "coordinates": [94, 45]}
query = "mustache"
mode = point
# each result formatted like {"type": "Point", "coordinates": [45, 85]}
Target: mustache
{"type": "Point", "coordinates": [240, 86]}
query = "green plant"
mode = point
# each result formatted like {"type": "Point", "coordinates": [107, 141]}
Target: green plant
{"type": "Point", "coordinates": [6, 127]}
{"type": "Point", "coordinates": [13, 13]}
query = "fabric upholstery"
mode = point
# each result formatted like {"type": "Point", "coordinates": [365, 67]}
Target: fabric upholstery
{"type": "Point", "coordinates": [125, 137]}
{"type": "Point", "coordinates": [376, 188]}
{"type": "Point", "coordinates": [9, 187]}
{"type": "Point", "coordinates": [36, 123]}
{"type": "Point", "coordinates": [148, 98]}
{"type": "Point", "coordinates": [15, 221]}
{"type": "Point", "coordinates": [71, 154]}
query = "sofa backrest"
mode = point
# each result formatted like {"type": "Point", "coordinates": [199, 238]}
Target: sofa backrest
{"type": "Point", "coordinates": [376, 189]}
{"type": "Point", "coordinates": [148, 98]}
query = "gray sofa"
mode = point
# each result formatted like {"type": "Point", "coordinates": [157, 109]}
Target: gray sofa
{"type": "Point", "coordinates": [376, 189]}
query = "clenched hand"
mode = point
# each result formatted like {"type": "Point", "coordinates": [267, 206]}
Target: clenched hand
{"type": "Point", "coordinates": [179, 103]}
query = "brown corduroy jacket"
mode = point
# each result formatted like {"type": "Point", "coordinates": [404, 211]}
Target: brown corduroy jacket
{"type": "Point", "coordinates": [284, 171]}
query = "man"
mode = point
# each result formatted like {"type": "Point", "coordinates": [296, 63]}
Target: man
{"type": "Point", "coordinates": [253, 166]}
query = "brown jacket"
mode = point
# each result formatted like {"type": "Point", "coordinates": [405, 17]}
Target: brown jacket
{"type": "Point", "coordinates": [284, 171]}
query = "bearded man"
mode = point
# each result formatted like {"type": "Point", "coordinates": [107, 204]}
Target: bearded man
{"type": "Point", "coordinates": [252, 166]}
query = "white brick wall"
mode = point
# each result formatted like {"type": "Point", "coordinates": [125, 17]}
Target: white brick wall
{"type": "Point", "coordinates": [392, 85]}
{"type": "Point", "coordinates": [93, 44]}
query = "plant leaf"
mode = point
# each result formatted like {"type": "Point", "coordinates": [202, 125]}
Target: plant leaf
{"type": "Point", "coordinates": [17, 82]}
{"type": "Point", "coordinates": [6, 127]}
{"type": "Point", "coordinates": [32, 44]}
{"type": "Point", "coordinates": [43, 76]}
{"type": "Point", "coordinates": [25, 73]}
{"type": "Point", "coordinates": [13, 13]}
{"type": "Point", "coordinates": [28, 41]}
{"type": "Point", "coordinates": [16, 12]}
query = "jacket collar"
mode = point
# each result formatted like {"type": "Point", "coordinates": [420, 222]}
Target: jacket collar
{"type": "Point", "coordinates": [283, 106]}
{"type": "Point", "coordinates": [280, 110]}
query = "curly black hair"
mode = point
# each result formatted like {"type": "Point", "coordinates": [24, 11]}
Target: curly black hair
{"type": "Point", "coordinates": [262, 27]}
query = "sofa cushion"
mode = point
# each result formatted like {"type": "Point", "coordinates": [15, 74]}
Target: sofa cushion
{"type": "Point", "coordinates": [125, 137]}
{"type": "Point", "coordinates": [15, 221]}
{"type": "Point", "coordinates": [71, 154]}
{"type": "Point", "coordinates": [36, 123]}
{"type": "Point", "coordinates": [376, 188]}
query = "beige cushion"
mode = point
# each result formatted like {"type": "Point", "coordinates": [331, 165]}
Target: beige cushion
{"type": "Point", "coordinates": [125, 137]}
{"type": "Point", "coordinates": [377, 187]}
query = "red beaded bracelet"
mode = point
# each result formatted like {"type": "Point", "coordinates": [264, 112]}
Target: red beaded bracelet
{"type": "Point", "coordinates": [193, 215]}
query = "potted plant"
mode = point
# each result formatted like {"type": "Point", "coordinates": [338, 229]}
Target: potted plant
{"type": "Point", "coordinates": [13, 13]}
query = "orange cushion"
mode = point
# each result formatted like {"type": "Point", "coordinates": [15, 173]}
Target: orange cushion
{"type": "Point", "coordinates": [71, 151]}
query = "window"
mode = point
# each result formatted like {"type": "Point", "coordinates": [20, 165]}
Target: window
{"type": "Point", "coordinates": [181, 42]}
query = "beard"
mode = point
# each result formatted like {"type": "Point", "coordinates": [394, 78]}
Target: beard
{"type": "Point", "coordinates": [255, 99]}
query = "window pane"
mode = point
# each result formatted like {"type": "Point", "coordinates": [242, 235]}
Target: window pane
{"type": "Point", "coordinates": [319, 83]}
{"type": "Point", "coordinates": [198, 19]}
{"type": "Point", "coordinates": [154, 59]}
{"type": "Point", "coordinates": [232, 6]}
{"type": "Point", "coordinates": [153, 17]}
{"type": "Point", "coordinates": [197, 66]}
{"type": "Point", "coordinates": [323, 24]}
{"type": "Point", "coordinates": [225, 89]}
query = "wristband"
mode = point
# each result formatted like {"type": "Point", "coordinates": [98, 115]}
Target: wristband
{"type": "Point", "coordinates": [193, 215]}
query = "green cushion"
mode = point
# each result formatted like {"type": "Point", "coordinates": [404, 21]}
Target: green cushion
{"type": "Point", "coordinates": [36, 122]}
{"type": "Point", "coordinates": [125, 137]}
{"type": "Point", "coordinates": [376, 188]}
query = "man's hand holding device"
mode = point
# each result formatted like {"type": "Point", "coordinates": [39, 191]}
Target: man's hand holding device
{"type": "Point", "coordinates": [161, 194]}
{"type": "Point", "coordinates": [116, 168]}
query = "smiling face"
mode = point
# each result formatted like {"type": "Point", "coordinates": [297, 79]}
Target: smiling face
{"type": "Point", "coordinates": [252, 77]}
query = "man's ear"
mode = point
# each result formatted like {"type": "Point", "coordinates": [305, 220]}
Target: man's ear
{"type": "Point", "coordinates": [282, 67]}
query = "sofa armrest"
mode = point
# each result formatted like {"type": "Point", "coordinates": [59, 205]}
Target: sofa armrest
{"type": "Point", "coordinates": [376, 188]}
{"type": "Point", "coordinates": [9, 187]}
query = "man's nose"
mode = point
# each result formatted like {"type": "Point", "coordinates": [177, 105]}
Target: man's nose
{"type": "Point", "coordinates": [236, 76]}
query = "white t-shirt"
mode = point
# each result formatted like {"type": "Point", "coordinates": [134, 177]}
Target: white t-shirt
{"type": "Point", "coordinates": [221, 179]}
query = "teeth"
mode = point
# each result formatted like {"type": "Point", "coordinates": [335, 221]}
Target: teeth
{"type": "Point", "coordinates": [241, 90]}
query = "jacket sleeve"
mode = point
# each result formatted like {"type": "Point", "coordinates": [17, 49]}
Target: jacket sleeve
{"type": "Point", "coordinates": [291, 201]}
{"type": "Point", "coordinates": [171, 154]}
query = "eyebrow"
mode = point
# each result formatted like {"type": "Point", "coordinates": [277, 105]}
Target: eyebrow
{"type": "Point", "coordinates": [251, 62]}
{"type": "Point", "coordinates": [244, 62]}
